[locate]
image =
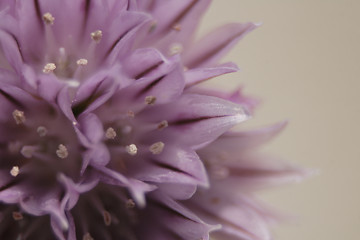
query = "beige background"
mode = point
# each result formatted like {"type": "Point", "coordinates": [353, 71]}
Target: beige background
{"type": "Point", "coordinates": [304, 63]}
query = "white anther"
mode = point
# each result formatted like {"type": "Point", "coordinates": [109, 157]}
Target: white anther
{"type": "Point", "coordinates": [62, 151]}
{"type": "Point", "coordinates": [176, 27]}
{"type": "Point", "coordinates": [130, 203]}
{"type": "Point", "coordinates": [82, 62]}
{"type": "Point", "coordinates": [96, 36]}
{"type": "Point", "coordinates": [49, 68]}
{"type": "Point", "coordinates": [42, 131]}
{"type": "Point", "coordinates": [28, 151]}
{"type": "Point", "coordinates": [110, 133]}
{"type": "Point", "coordinates": [48, 18]}
{"type": "Point", "coordinates": [107, 218]}
{"type": "Point", "coordinates": [162, 125]}
{"type": "Point", "coordinates": [19, 117]}
{"type": "Point", "coordinates": [131, 149]}
{"type": "Point", "coordinates": [15, 171]}
{"type": "Point", "coordinates": [175, 48]}
{"type": "Point", "coordinates": [150, 100]}
{"type": "Point", "coordinates": [157, 148]}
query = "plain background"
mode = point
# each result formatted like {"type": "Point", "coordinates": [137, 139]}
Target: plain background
{"type": "Point", "coordinates": [303, 62]}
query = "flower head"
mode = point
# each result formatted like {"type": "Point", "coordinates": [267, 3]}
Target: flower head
{"type": "Point", "coordinates": [102, 131]}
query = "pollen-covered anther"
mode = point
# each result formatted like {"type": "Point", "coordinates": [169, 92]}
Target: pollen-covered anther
{"type": "Point", "coordinates": [176, 48]}
{"type": "Point", "coordinates": [176, 27]}
{"type": "Point", "coordinates": [19, 117]}
{"type": "Point", "coordinates": [17, 216]}
{"type": "Point", "coordinates": [87, 236]}
{"type": "Point", "coordinates": [153, 26]}
{"type": "Point", "coordinates": [150, 100]}
{"type": "Point", "coordinates": [130, 114]}
{"type": "Point", "coordinates": [42, 131]}
{"type": "Point", "coordinates": [131, 149]}
{"type": "Point", "coordinates": [48, 18]}
{"type": "Point", "coordinates": [96, 36]}
{"type": "Point", "coordinates": [28, 151]}
{"type": "Point", "coordinates": [162, 125]}
{"type": "Point", "coordinates": [157, 148]}
{"type": "Point", "coordinates": [15, 171]}
{"type": "Point", "coordinates": [219, 172]}
{"type": "Point", "coordinates": [110, 133]}
{"type": "Point", "coordinates": [62, 151]}
{"type": "Point", "coordinates": [49, 68]}
{"type": "Point", "coordinates": [107, 218]}
{"type": "Point", "coordinates": [130, 203]}
{"type": "Point", "coordinates": [82, 62]}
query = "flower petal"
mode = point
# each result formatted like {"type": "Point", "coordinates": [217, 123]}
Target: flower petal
{"type": "Point", "coordinates": [211, 48]}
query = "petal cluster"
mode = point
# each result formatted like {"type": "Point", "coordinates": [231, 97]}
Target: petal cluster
{"type": "Point", "coordinates": [105, 133]}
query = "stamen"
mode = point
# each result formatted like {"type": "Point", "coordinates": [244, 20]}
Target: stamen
{"type": "Point", "coordinates": [130, 203]}
{"type": "Point", "coordinates": [157, 148]}
{"type": "Point", "coordinates": [153, 26]}
{"type": "Point", "coordinates": [14, 147]}
{"type": "Point", "coordinates": [175, 48]}
{"type": "Point", "coordinates": [82, 62]}
{"type": "Point", "coordinates": [15, 171]}
{"type": "Point", "coordinates": [96, 36]}
{"type": "Point", "coordinates": [219, 172]}
{"type": "Point", "coordinates": [17, 216]}
{"type": "Point", "coordinates": [28, 151]}
{"type": "Point", "coordinates": [126, 129]}
{"type": "Point", "coordinates": [107, 218]}
{"type": "Point", "coordinates": [49, 68]}
{"type": "Point", "coordinates": [177, 27]}
{"type": "Point", "coordinates": [162, 125]}
{"type": "Point", "coordinates": [150, 100]}
{"type": "Point", "coordinates": [87, 236]}
{"type": "Point", "coordinates": [130, 114]}
{"type": "Point", "coordinates": [19, 117]}
{"type": "Point", "coordinates": [62, 151]}
{"type": "Point", "coordinates": [131, 149]}
{"type": "Point", "coordinates": [48, 18]}
{"type": "Point", "coordinates": [110, 133]}
{"type": "Point", "coordinates": [42, 131]}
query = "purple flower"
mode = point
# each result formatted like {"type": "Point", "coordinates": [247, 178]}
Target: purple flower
{"type": "Point", "coordinates": [106, 135]}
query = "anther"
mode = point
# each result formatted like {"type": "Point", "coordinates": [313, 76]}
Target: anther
{"type": "Point", "coordinates": [150, 100]}
{"type": "Point", "coordinates": [87, 236]}
{"type": "Point", "coordinates": [219, 172]}
{"type": "Point", "coordinates": [96, 36]}
{"type": "Point", "coordinates": [17, 216]}
{"type": "Point", "coordinates": [131, 149]}
{"type": "Point", "coordinates": [82, 62]}
{"type": "Point", "coordinates": [126, 129]}
{"type": "Point", "coordinates": [107, 218]}
{"type": "Point", "coordinates": [130, 114]}
{"type": "Point", "coordinates": [110, 133]}
{"type": "Point", "coordinates": [157, 148]}
{"type": "Point", "coordinates": [15, 171]}
{"type": "Point", "coordinates": [130, 203]}
{"type": "Point", "coordinates": [175, 48]}
{"type": "Point", "coordinates": [62, 151]}
{"type": "Point", "coordinates": [177, 27]}
{"type": "Point", "coordinates": [42, 131]}
{"type": "Point", "coordinates": [153, 26]}
{"type": "Point", "coordinates": [28, 151]}
{"type": "Point", "coordinates": [162, 125]}
{"type": "Point", "coordinates": [49, 68]}
{"type": "Point", "coordinates": [48, 18]}
{"type": "Point", "coordinates": [19, 117]}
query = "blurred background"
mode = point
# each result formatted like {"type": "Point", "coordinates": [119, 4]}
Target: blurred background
{"type": "Point", "coordinates": [303, 62]}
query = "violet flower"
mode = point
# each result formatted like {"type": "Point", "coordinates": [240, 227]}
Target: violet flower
{"type": "Point", "coordinates": [103, 134]}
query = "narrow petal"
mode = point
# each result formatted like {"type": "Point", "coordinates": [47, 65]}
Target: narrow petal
{"type": "Point", "coordinates": [213, 47]}
{"type": "Point", "coordinates": [198, 75]}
